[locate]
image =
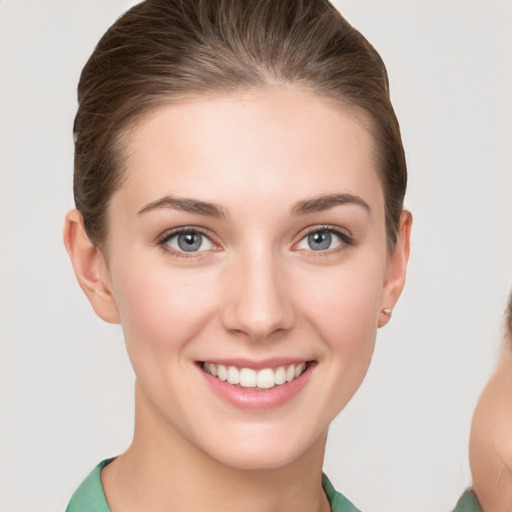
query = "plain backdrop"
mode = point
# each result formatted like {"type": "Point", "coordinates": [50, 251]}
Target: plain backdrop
{"type": "Point", "coordinates": [401, 444]}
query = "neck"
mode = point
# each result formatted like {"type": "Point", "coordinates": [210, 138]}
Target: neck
{"type": "Point", "coordinates": [163, 471]}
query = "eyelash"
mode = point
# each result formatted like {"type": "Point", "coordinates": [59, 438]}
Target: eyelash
{"type": "Point", "coordinates": [346, 241]}
{"type": "Point", "coordinates": [163, 240]}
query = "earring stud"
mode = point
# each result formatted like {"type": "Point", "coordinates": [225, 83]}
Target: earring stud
{"type": "Point", "coordinates": [387, 311]}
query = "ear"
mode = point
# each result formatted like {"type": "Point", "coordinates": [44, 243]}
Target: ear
{"type": "Point", "coordinates": [396, 269]}
{"type": "Point", "coordinates": [90, 267]}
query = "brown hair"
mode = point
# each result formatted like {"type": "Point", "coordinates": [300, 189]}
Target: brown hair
{"type": "Point", "coordinates": [508, 319]}
{"type": "Point", "coordinates": [162, 50]}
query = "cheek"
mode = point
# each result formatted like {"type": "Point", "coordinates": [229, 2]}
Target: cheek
{"type": "Point", "coordinates": [344, 308]}
{"type": "Point", "coordinates": [344, 302]}
{"type": "Point", "coordinates": [160, 309]}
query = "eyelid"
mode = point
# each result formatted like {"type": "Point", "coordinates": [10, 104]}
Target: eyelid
{"type": "Point", "coordinates": [343, 234]}
{"type": "Point", "coordinates": [162, 240]}
{"type": "Point", "coordinates": [346, 239]}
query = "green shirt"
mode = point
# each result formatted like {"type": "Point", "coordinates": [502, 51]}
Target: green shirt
{"type": "Point", "coordinates": [468, 503]}
{"type": "Point", "coordinates": [89, 497]}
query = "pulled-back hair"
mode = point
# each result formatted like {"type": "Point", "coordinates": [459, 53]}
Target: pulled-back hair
{"type": "Point", "coordinates": [165, 50]}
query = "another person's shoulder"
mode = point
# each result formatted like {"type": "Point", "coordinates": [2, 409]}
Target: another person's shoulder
{"type": "Point", "coordinates": [89, 497]}
{"type": "Point", "coordinates": [468, 503]}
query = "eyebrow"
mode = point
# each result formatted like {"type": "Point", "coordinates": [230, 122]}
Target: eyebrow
{"type": "Point", "coordinates": [318, 204]}
{"type": "Point", "coordinates": [209, 209]}
{"type": "Point", "coordinates": [186, 205]}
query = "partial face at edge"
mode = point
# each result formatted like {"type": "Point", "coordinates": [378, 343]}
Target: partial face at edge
{"type": "Point", "coordinates": [221, 251]}
{"type": "Point", "coordinates": [490, 445]}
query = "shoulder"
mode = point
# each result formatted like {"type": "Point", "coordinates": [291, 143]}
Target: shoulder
{"type": "Point", "coordinates": [468, 503]}
{"type": "Point", "coordinates": [337, 501]}
{"type": "Point", "coordinates": [89, 497]}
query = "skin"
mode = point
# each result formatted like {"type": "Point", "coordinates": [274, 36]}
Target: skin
{"type": "Point", "coordinates": [490, 442]}
{"type": "Point", "coordinates": [256, 291]}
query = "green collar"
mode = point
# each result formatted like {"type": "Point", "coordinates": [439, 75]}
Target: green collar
{"type": "Point", "coordinates": [89, 497]}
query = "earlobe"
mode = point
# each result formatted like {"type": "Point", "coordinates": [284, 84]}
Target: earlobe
{"type": "Point", "coordinates": [396, 269]}
{"type": "Point", "coordinates": [90, 268]}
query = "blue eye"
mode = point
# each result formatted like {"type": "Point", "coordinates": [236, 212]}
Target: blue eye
{"type": "Point", "coordinates": [321, 240]}
{"type": "Point", "coordinates": [189, 241]}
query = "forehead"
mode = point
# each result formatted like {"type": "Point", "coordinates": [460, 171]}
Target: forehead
{"type": "Point", "coordinates": [270, 142]}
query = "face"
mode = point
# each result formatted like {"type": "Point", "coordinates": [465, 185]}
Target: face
{"type": "Point", "coordinates": [490, 445]}
{"type": "Point", "coordinates": [248, 267]}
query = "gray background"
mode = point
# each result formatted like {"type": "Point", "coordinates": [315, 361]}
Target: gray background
{"type": "Point", "coordinates": [401, 444]}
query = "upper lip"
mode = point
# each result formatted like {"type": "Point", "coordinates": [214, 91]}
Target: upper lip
{"type": "Point", "coordinates": [274, 362]}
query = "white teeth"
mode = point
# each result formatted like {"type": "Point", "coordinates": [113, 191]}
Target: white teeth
{"type": "Point", "coordinates": [222, 373]}
{"type": "Point", "coordinates": [248, 378]}
{"type": "Point", "coordinates": [280, 377]}
{"type": "Point", "coordinates": [233, 375]}
{"type": "Point", "coordinates": [265, 379]}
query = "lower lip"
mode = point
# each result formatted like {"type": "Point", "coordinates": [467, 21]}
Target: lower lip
{"type": "Point", "coordinates": [258, 399]}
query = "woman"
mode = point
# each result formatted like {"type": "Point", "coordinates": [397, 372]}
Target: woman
{"type": "Point", "coordinates": [490, 446]}
{"type": "Point", "coordinates": [239, 185]}
{"type": "Point", "coordinates": [491, 441]}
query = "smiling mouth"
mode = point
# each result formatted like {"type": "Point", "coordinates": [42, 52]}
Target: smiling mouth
{"type": "Point", "coordinates": [266, 378]}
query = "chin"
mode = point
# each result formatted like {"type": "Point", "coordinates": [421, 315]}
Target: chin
{"type": "Point", "coordinates": [268, 453]}
{"type": "Point", "coordinates": [495, 497]}
{"type": "Point", "coordinates": [256, 461]}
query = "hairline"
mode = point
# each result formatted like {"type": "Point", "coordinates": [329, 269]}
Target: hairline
{"type": "Point", "coordinates": [122, 134]}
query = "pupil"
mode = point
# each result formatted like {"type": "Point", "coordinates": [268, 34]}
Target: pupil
{"type": "Point", "coordinates": [189, 241]}
{"type": "Point", "coordinates": [320, 240]}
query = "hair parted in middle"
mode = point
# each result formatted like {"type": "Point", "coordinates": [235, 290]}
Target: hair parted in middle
{"type": "Point", "coordinates": [162, 51]}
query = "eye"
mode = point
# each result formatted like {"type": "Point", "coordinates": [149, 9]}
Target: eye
{"type": "Point", "coordinates": [188, 241]}
{"type": "Point", "coordinates": [324, 240]}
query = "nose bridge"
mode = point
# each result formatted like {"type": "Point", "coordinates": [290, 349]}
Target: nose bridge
{"type": "Point", "coordinates": [259, 302]}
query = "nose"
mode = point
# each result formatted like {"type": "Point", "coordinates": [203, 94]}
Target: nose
{"type": "Point", "coordinates": [258, 301]}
